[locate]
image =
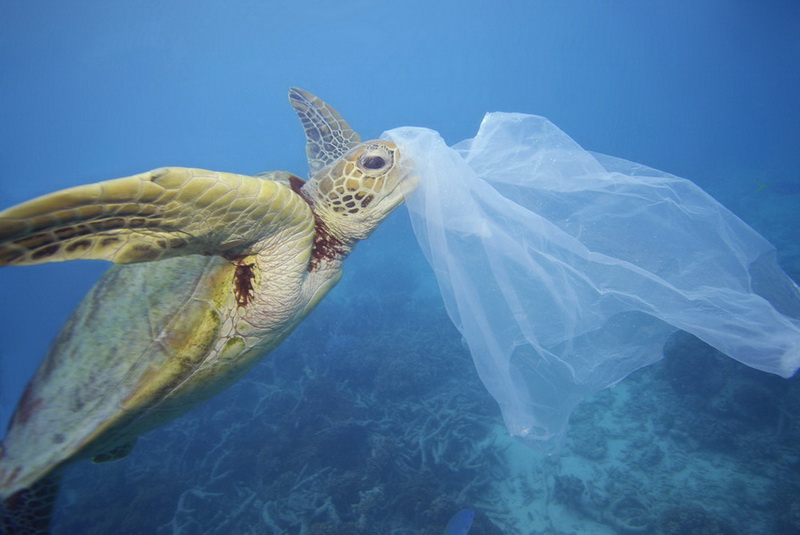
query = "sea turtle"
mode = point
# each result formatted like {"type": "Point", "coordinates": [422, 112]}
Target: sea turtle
{"type": "Point", "coordinates": [213, 271]}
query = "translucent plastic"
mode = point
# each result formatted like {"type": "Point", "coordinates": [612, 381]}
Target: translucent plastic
{"type": "Point", "coordinates": [565, 270]}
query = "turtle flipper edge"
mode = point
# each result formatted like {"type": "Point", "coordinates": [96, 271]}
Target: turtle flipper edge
{"type": "Point", "coordinates": [328, 135]}
{"type": "Point", "coordinates": [167, 212]}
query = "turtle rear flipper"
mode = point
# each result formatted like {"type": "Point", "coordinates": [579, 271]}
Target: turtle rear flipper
{"type": "Point", "coordinates": [168, 212]}
{"type": "Point", "coordinates": [115, 454]}
{"type": "Point", "coordinates": [28, 511]}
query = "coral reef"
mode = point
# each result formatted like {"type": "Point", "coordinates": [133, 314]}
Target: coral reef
{"type": "Point", "coordinates": [681, 520]}
{"type": "Point", "coordinates": [590, 443]}
{"type": "Point", "coordinates": [569, 490]}
{"type": "Point", "coordinates": [629, 515]}
{"type": "Point", "coordinates": [371, 420]}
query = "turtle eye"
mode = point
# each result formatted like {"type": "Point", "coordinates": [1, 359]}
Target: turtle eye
{"type": "Point", "coordinates": [375, 159]}
{"type": "Point", "coordinates": [373, 162]}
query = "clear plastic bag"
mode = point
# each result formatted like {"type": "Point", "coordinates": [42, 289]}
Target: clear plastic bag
{"type": "Point", "coordinates": [565, 270]}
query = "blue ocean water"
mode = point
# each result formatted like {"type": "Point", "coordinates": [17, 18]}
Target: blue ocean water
{"type": "Point", "coordinates": [370, 418]}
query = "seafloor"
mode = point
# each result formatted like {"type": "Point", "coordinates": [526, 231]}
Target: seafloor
{"type": "Point", "coordinates": [371, 420]}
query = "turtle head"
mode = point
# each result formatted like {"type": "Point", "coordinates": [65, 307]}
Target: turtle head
{"type": "Point", "coordinates": [359, 189]}
{"type": "Point", "coordinates": [353, 185]}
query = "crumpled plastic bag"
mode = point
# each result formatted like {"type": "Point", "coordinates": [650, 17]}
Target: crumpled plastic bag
{"type": "Point", "coordinates": [565, 270]}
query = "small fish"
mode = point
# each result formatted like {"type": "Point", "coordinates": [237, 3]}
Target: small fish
{"type": "Point", "coordinates": [460, 523]}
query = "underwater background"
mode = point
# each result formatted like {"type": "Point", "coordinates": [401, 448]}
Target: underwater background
{"type": "Point", "coordinates": [370, 418]}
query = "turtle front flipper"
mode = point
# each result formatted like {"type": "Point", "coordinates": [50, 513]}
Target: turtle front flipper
{"type": "Point", "coordinates": [167, 212]}
{"type": "Point", "coordinates": [328, 135]}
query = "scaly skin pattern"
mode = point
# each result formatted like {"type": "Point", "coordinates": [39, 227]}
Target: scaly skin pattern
{"type": "Point", "coordinates": [167, 212]}
{"type": "Point", "coordinates": [149, 342]}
